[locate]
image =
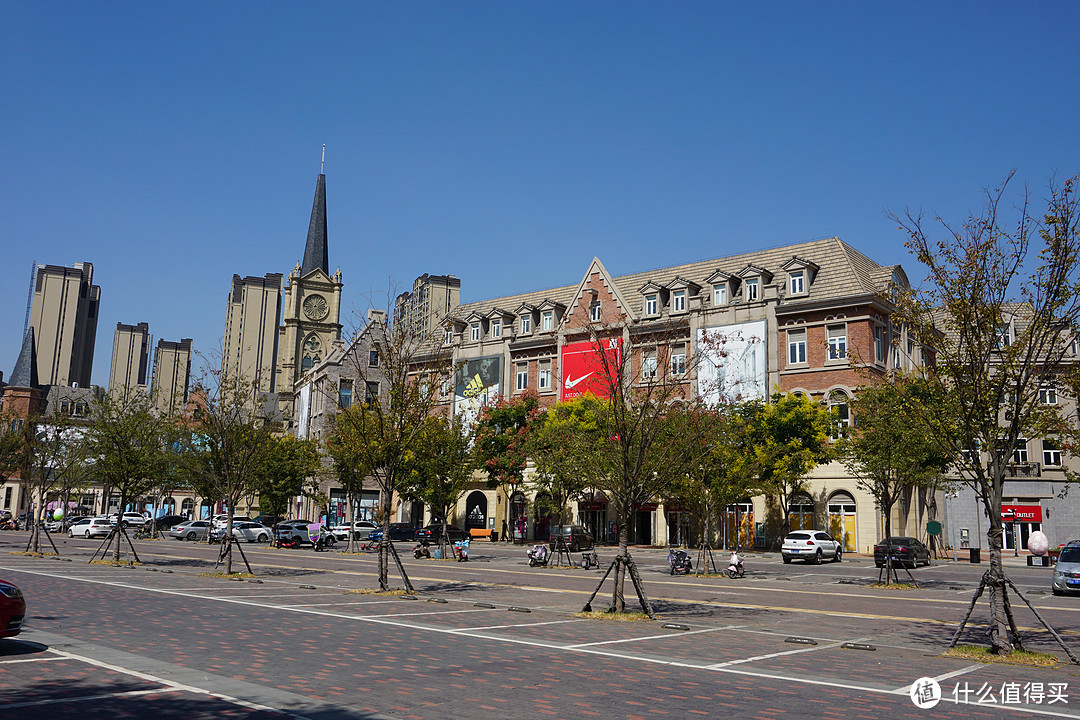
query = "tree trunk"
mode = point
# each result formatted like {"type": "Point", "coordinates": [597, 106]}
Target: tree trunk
{"type": "Point", "coordinates": [119, 527]}
{"type": "Point", "coordinates": [618, 600]}
{"type": "Point", "coordinates": [230, 507]}
{"type": "Point", "coordinates": [1000, 612]}
{"type": "Point", "coordinates": [384, 549]}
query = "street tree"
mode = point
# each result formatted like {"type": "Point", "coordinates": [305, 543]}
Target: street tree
{"type": "Point", "coordinates": [286, 466]}
{"type": "Point", "coordinates": [227, 444]}
{"type": "Point", "coordinates": [889, 452]}
{"type": "Point", "coordinates": [127, 442]}
{"type": "Point", "coordinates": [441, 469]}
{"type": "Point", "coordinates": [559, 442]}
{"type": "Point", "coordinates": [502, 442]}
{"type": "Point", "coordinates": [1000, 310]}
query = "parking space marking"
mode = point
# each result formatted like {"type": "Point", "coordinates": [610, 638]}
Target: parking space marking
{"type": "Point", "coordinates": [517, 625]}
{"type": "Point", "coordinates": [740, 661]}
{"type": "Point", "coordinates": [85, 698]}
{"type": "Point", "coordinates": [437, 612]}
{"type": "Point", "coordinates": [30, 660]}
{"type": "Point", "coordinates": [647, 637]}
{"type": "Point", "coordinates": [962, 671]}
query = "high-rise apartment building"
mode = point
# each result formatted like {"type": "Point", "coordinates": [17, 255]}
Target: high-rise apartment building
{"type": "Point", "coordinates": [130, 357]}
{"type": "Point", "coordinates": [172, 373]}
{"type": "Point", "coordinates": [64, 315]}
{"type": "Point", "coordinates": [433, 297]}
{"type": "Point", "coordinates": [252, 316]}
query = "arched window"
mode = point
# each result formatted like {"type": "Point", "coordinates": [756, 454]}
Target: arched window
{"type": "Point", "coordinates": [312, 352]}
{"type": "Point", "coordinates": [838, 403]}
{"type": "Point", "coordinates": [801, 512]}
{"type": "Point", "coordinates": [842, 519]}
{"type": "Point", "coordinates": [476, 510]}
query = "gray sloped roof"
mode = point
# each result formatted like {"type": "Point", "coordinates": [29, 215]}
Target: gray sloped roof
{"type": "Point", "coordinates": [315, 251]}
{"type": "Point", "coordinates": [843, 272]}
{"type": "Point", "coordinates": [25, 373]}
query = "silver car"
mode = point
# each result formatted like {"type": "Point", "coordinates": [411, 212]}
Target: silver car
{"type": "Point", "coordinates": [246, 532]}
{"type": "Point", "coordinates": [190, 530]}
{"type": "Point", "coordinates": [1066, 578]}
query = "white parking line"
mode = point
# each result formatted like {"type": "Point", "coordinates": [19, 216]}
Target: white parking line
{"type": "Point", "coordinates": [740, 661]}
{"type": "Point", "coordinates": [962, 671]}
{"type": "Point", "coordinates": [517, 625]}
{"type": "Point", "coordinates": [667, 636]}
{"type": "Point", "coordinates": [30, 660]}
{"type": "Point", "coordinates": [85, 698]}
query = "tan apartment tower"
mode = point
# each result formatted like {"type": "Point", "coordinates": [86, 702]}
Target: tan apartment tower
{"type": "Point", "coordinates": [252, 315]}
{"type": "Point", "coordinates": [312, 306]}
{"type": "Point", "coordinates": [64, 315]}
{"type": "Point", "coordinates": [130, 358]}
{"type": "Point", "coordinates": [172, 372]}
{"type": "Point", "coordinates": [433, 297]}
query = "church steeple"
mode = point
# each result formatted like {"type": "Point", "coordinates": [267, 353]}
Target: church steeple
{"type": "Point", "coordinates": [315, 254]}
{"type": "Point", "coordinates": [25, 373]}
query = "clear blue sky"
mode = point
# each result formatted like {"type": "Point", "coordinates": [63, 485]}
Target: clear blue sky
{"type": "Point", "coordinates": [174, 144]}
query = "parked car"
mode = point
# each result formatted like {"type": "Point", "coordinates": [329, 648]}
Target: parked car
{"type": "Point", "coordinates": [907, 551]}
{"type": "Point", "coordinates": [268, 520]}
{"type": "Point", "coordinates": [246, 532]}
{"type": "Point", "coordinates": [190, 530]}
{"type": "Point", "coordinates": [293, 530]}
{"type": "Point", "coordinates": [360, 529]}
{"type": "Point", "coordinates": [220, 521]}
{"type": "Point", "coordinates": [1066, 577]}
{"type": "Point", "coordinates": [90, 527]}
{"type": "Point", "coordinates": [129, 519]}
{"type": "Point", "coordinates": [12, 609]}
{"type": "Point", "coordinates": [812, 546]}
{"type": "Point", "coordinates": [398, 531]}
{"type": "Point", "coordinates": [165, 522]}
{"type": "Point", "coordinates": [433, 533]}
{"type": "Point", "coordinates": [576, 537]}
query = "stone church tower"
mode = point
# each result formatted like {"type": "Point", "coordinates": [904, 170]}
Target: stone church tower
{"type": "Point", "coordinates": [311, 310]}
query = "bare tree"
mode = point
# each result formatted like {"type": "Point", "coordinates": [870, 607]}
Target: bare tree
{"type": "Point", "coordinates": [1000, 310]}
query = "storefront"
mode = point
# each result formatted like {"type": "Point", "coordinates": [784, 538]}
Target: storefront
{"type": "Point", "coordinates": [1020, 521]}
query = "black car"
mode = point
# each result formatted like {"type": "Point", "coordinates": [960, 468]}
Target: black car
{"type": "Point", "coordinates": [574, 536]}
{"type": "Point", "coordinates": [906, 551]}
{"type": "Point", "coordinates": [433, 533]}
{"type": "Point", "coordinates": [398, 531]}
{"type": "Point", "coordinates": [165, 522]}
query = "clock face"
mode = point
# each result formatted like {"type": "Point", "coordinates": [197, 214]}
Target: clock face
{"type": "Point", "coordinates": [315, 307]}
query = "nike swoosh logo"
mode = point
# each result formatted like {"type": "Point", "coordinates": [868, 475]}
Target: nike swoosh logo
{"type": "Point", "coordinates": [571, 382]}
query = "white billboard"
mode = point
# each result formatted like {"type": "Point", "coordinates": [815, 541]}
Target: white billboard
{"type": "Point", "coordinates": [731, 363]}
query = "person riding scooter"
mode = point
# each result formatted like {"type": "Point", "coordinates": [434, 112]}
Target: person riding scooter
{"type": "Point", "coordinates": [735, 565]}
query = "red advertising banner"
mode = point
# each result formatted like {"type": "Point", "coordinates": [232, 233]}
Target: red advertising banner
{"type": "Point", "coordinates": [1022, 513]}
{"type": "Point", "coordinates": [581, 367]}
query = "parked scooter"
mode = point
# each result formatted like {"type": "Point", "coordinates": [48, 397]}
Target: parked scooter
{"type": "Point", "coordinates": [421, 551]}
{"type": "Point", "coordinates": [679, 562]}
{"type": "Point", "coordinates": [735, 566]}
{"type": "Point", "coordinates": [539, 555]}
{"type": "Point", "coordinates": [589, 560]}
{"type": "Point", "coordinates": [287, 542]}
{"type": "Point", "coordinates": [461, 550]}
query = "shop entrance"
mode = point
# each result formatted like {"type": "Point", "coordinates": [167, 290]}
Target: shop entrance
{"type": "Point", "coordinates": [842, 520]}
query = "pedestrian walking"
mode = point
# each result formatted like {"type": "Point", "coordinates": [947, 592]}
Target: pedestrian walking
{"type": "Point", "coordinates": [505, 532]}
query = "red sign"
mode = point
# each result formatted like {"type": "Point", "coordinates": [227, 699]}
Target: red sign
{"type": "Point", "coordinates": [1022, 513]}
{"type": "Point", "coordinates": [584, 368]}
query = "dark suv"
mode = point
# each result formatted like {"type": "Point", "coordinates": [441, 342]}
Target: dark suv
{"type": "Point", "coordinates": [906, 551]}
{"type": "Point", "coordinates": [575, 536]}
{"type": "Point", "coordinates": [433, 533]}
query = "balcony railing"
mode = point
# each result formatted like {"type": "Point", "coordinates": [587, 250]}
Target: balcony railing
{"type": "Point", "coordinates": [1024, 469]}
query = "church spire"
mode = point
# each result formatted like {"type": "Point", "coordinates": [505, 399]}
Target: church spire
{"type": "Point", "coordinates": [315, 254]}
{"type": "Point", "coordinates": [25, 373]}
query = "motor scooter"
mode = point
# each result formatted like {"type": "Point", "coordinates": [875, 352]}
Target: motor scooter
{"type": "Point", "coordinates": [539, 555]}
{"type": "Point", "coordinates": [679, 562]}
{"type": "Point", "coordinates": [287, 542]}
{"type": "Point", "coordinates": [461, 550]}
{"type": "Point", "coordinates": [735, 566]}
{"type": "Point", "coordinates": [421, 551]}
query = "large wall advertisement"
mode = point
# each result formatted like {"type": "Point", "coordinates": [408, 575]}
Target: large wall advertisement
{"type": "Point", "coordinates": [476, 384]}
{"type": "Point", "coordinates": [731, 363]}
{"type": "Point", "coordinates": [582, 367]}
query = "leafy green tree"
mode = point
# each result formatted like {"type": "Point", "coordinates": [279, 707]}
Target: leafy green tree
{"type": "Point", "coordinates": [442, 468]}
{"type": "Point", "coordinates": [559, 442]}
{"type": "Point", "coordinates": [287, 464]}
{"type": "Point", "coordinates": [789, 436]}
{"type": "Point", "coordinates": [889, 451]}
{"type": "Point", "coordinates": [128, 443]}
{"type": "Point", "coordinates": [502, 444]}
{"type": "Point", "coordinates": [998, 314]}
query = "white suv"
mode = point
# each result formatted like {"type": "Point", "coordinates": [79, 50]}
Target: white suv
{"type": "Point", "coordinates": [812, 546]}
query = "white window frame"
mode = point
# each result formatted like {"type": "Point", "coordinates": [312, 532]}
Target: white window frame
{"type": "Point", "coordinates": [474, 332]}
{"type": "Point", "coordinates": [678, 360]}
{"type": "Point", "coordinates": [1052, 454]}
{"type": "Point", "coordinates": [797, 282]}
{"type": "Point", "coordinates": [496, 328]}
{"type": "Point", "coordinates": [449, 337]}
{"type": "Point", "coordinates": [547, 320]}
{"type": "Point", "coordinates": [1048, 395]}
{"type": "Point", "coordinates": [751, 290]}
{"type": "Point", "coordinates": [837, 343]}
{"type": "Point", "coordinates": [720, 295]}
{"type": "Point", "coordinates": [796, 347]}
{"type": "Point", "coordinates": [652, 304]}
{"type": "Point", "coordinates": [678, 301]}
{"type": "Point", "coordinates": [879, 344]}
{"type": "Point", "coordinates": [543, 378]}
{"type": "Point", "coordinates": [594, 311]}
{"type": "Point", "coordinates": [521, 376]}
{"type": "Point", "coordinates": [838, 399]}
{"type": "Point", "coordinates": [526, 324]}
{"type": "Point", "coordinates": [648, 365]}
{"type": "Point", "coordinates": [1020, 452]}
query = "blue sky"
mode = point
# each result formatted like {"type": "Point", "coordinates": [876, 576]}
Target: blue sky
{"type": "Point", "coordinates": [174, 144]}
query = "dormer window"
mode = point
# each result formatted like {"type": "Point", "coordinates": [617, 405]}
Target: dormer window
{"type": "Point", "coordinates": [496, 328]}
{"type": "Point", "coordinates": [1003, 337]}
{"type": "Point", "coordinates": [678, 301]}
{"type": "Point", "coordinates": [796, 282]}
{"type": "Point", "coordinates": [594, 311]}
{"type": "Point", "coordinates": [651, 305]}
{"type": "Point", "coordinates": [547, 320]}
{"type": "Point", "coordinates": [720, 295]}
{"type": "Point", "coordinates": [526, 324]}
{"type": "Point", "coordinates": [752, 290]}
{"type": "Point", "coordinates": [474, 332]}
{"type": "Point", "coordinates": [449, 337]}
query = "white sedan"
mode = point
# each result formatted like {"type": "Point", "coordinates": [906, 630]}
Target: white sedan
{"type": "Point", "coordinates": [812, 546]}
{"type": "Point", "coordinates": [360, 530]}
{"type": "Point", "coordinates": [248, 532]}
{"type": "Point", "coordinates": [90, 527]}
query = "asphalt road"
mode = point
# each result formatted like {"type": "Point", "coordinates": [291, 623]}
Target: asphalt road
{"type": "Point", "coordinates": [493, 638]}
